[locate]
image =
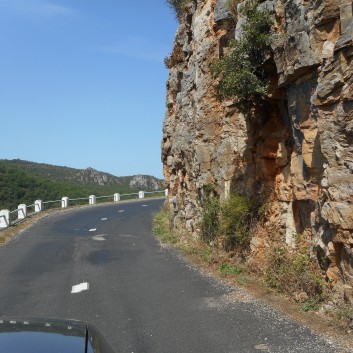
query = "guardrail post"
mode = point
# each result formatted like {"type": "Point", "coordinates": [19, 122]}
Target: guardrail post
{"type": "Point", "coordinates": [38, 206]}
{"type": "Point", "coordinates": [166, 192]}
{"type": "Point", "coordinates": [92, 200]}
{"type": "Point", "coordinates": [116, 197]}
{"type": "Point", "coordinates": [64, 202]}
{"type": "Point", "coordinates": [141, 194]}
{"type": "Point", "coordinates": [5, 219]}
{"type": "Point", "coordinates": [22, 211]}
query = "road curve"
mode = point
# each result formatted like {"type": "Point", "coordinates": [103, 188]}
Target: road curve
{"type": "Point", "coordinates": [144, 298]}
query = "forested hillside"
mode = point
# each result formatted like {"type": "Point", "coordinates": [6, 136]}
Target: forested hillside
{"type": "Point", "coordinates": [25, 182]}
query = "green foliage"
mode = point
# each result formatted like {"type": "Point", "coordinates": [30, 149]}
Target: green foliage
{"type": "Point", "coordinates": [163, 227]}
{"type": "Point", "coordinates": [239, 73]}
{"type": "Point", "coordinates": [230, 221]}
{"type": "Point", "coordinates": [66, 174]}
{"type": "Point", "coordinates": [294, 273]}
{"type": "Point", "coordinates": [227, 269]}
{"type": "Point", "coordinates": [25, 182]}
{"type": "Point", "coordinates": [206, 254]}
{"type": "Point", "coordinates": [237, 213]}
{"type": "Point", "coordinates": [209, 224]}
{"type": "Point", "coordinates": [312, 304]}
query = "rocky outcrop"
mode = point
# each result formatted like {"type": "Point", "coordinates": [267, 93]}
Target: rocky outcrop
{"type": "Point", "coordinates": [145, 182]}
{"type": "Point", "coordinates": [92, 176]}
{"type": "Point", "coordinates": [299, 147]}
{"type": "Point", "coordinates": [138, 182]}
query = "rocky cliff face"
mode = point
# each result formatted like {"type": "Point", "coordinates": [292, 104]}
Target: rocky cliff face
{"type": "Point", "coordinates": [145, 182]}
{"type": "Point", "coordinates": [299, 147]}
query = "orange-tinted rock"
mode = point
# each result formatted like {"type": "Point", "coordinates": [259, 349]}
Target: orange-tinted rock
{"type": "Point", "coordinates": [299, 146]}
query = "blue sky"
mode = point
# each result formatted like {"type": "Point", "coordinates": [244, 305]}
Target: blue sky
{"type": "Point", "coordinates": [82, 82]}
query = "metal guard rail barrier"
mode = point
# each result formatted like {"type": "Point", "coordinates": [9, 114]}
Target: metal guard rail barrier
{"type": "Point", "coordinates": [22, 210]}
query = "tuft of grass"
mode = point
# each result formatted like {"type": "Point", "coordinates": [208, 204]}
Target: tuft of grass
{"type": "Point", "coordinates": [312, 304]}
{"type": "Point", "coordinates": [294, 273]}
{"type": "Point", "coordinates": [209, 224]}
{"type": "Point", "coordinates": [227, 269]}
{"type": "Point", "coordinates": [244, 279]}
{"type": "Point", "coordinates": [188, 248]}
{"type": "Point", "coordinates": [206, 254]}
{"type": "Point", "coordinates": [163, 228]}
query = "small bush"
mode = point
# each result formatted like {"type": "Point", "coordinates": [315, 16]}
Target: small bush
{"type": "Point", "coordinates": [239, 74]}
{"type": "Point", "coordinates": [230, 222]}
{"type": "Point", "coordinates": [209, 224]}
{"type": "Point", "coordinates": [237, 213]}
{"type": "Point", "coordinates": [163, 228]}
{"type": "Point", "coordinates": [295, 273]}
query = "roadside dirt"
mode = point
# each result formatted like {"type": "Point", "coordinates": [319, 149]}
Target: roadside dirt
{"type": "Point", "coordinates": [318, 322]}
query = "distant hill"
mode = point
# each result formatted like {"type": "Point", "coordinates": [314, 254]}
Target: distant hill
{"type": "Point", "coordinates": [25, 181]}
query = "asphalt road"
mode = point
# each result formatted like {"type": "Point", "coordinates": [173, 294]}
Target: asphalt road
{"type": "Point", "coordinates": [143, 297]}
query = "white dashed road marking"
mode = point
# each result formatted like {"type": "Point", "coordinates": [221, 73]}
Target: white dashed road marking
{"type": "Point", "coordinates": [92, 229]}
{"type": "Point", "coordinates": [80, 288]}
{"type": "Point", "coordinates": [104, 219]}
{"type": "Point", "coordinates": [121, 211]}
{"type": "Point", "coordinates": [143, 205]}
{"type": "Point", "coordinates": [99, 237]}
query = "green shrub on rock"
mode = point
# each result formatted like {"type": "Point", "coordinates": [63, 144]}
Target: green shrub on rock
{"type": "Point", "coordinates": [209, 224]}
{"type": "Point", "coordinates": [236, 217]}
{"type": "Point", "coordinates": [229, 222]}
{"type": "Point", "coordinates": [239, 74]}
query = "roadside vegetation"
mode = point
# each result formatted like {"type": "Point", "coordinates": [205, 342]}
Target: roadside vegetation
{"type": "Point", "coordinates": [230, 223]}
{"type": "Point", "coordinates": [297, 275]}
{"type": "Point", "coordinates": [239, 74]}
{"type": "Point", "coordinates": [223, 246]}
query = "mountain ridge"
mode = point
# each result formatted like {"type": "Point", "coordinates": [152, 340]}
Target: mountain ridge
{"type": "Point", "coordinates": [85, 176]}
{"type": "Point", "coordinates": [25, 181]}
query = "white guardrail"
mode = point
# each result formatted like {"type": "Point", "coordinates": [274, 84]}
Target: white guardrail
{"type": "Point", "coordinates": [8, 217]}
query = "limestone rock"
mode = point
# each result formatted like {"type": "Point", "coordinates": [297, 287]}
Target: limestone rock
{"type": "Point", "coordinates": [298, 148]}
{"type": "Point", "coordinates": [221, 11]}
{"type": "Point", "coordinates": [144, 182]}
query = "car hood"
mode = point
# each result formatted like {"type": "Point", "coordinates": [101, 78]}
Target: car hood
{"type": "Point", "coordinates": [50, 336]}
